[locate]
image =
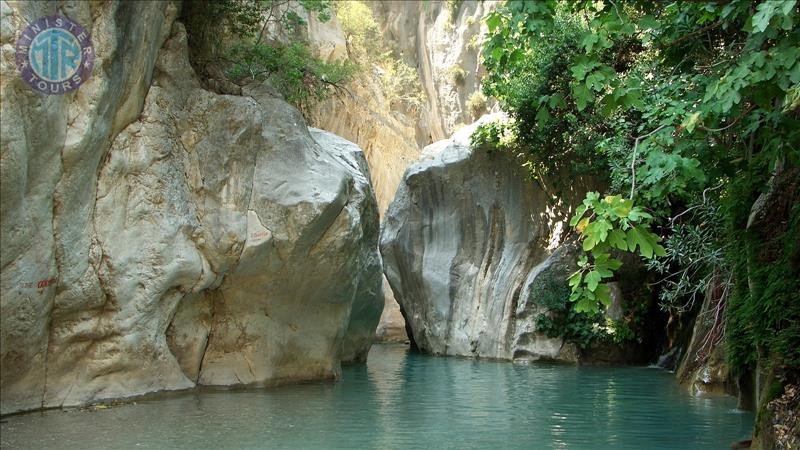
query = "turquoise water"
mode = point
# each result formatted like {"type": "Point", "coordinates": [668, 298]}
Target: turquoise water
{"type": "Point", "coordinates": [401, 400]}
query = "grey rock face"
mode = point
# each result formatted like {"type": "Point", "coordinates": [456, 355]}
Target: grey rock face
{"type": "Point", "coordinates": [191, 238]}
{"type": "Point", "coordinates": [426, 36]}
{"type": "Point", "coordinates": [473, 251]}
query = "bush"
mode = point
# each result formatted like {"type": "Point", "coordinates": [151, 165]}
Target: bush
{"type": "Point", "coordinates": [495, 136]}
{"type": "Point", "coordinates": [401, 85]}
{"type": "Point", "coordinates": [359, 26]}
{"type": "Point", "coordinates": [476, 104]}
{"type": "Point", "coordinates": [456, 74]}
{"type": "Point", "coordinates": [474, 42]}
{"type": "Point", "coordinates": [452, 9]}
{"type": "Point", "coordinates": [291, 68]}
{"type": "Point", "coordinates": [256, 55]}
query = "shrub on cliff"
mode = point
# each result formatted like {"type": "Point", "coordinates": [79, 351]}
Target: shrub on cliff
{"type": "Point", "coordinates": [263, 41]}
{"type": "Point", "coordinates": [399, 81]}
{"type": "Point", "coordinates": [476, 104]}
{"type": "Point", "coordinates": [360, 28]}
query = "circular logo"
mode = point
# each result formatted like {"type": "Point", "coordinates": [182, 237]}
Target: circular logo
{"type": "Point", "coordinates": [54, 55]}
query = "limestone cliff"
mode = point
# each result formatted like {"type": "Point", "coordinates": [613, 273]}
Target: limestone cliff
{"type": "Point", "coordinates": [444, 44]}
{"type": "Point", "coordinates": [184, 237]}
{"type": "Point", "coordinates": [435, 41]}
{"type": "Point", "coordinates": [473, 250]}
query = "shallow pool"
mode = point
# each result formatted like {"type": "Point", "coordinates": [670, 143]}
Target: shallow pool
{"type": "Point", "coordinates": [404, 400]}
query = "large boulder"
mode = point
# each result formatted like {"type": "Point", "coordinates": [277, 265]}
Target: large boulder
{"type": "Point", "coordinates": [184, 237]}
{"type": "Point", "coordinates": [475, 252]}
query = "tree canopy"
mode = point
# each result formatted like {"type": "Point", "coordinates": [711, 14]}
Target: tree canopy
{"type": "Point", "coordinates": [685, 111]}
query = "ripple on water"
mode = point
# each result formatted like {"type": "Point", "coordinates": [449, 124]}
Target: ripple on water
{"type": "Point", "coordinates": [401, 400]}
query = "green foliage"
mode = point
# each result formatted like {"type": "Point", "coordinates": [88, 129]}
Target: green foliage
{"type": "Point", "coordinates": [399, 81]}
{"type": "Point", "coordinates": [495, 136]}
{"type": "Point", "coordinates": [360, 27]}
{"type": "Point", "coordinates": [476, 104]}
{"type": "Point", "coordinates": [583, 328]}
{"type": "Point", "coordinates": [697, 95]}
{"type": "Point", "coordinates": [569, 325]}
{"type": "Point", "coordinates": [763, 311]}
{"type": "Point", "coordinates": [696, 248]}
{"type": "Point", "coordinates": [533, 82]}
{"type": "Point", "coordinates": [612, 223]}
{"type": "Point", "coordinates": [291, 69]}
{"type": "Point", "coordinates": [667, 104]}
{"type": "Point", "coordinates": [239, 37]}
{"type": "Point", "coordinates": [248, 18]}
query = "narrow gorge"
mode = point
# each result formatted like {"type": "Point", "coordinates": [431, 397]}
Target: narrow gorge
{"type": "Point", "coordinates": [398, 224]}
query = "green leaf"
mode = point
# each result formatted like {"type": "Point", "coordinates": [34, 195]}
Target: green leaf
{"type": "Point", "coordinates": [589, 40]}
{"type": "Point", "coordinates": [617, 240]}
{"type": "Point", "coordinates": [619, 206]}
{"type": "Point", "coordinates": [581, 226]}
{"type": "Point", "coordinates": [493, 21]}
{"type": "Point", "coordinates": [542, 117]}
{"type": "Point", "coordinates": [516, 56]}
{"type": "Point", "coordinates": [603, 293]}
{"type": "Point", "coordinates": [586, 305]}
{"type": "Point", "coordinates": [556, 101]}
{"type": "Point", "coordinates": [646, 240]}
{"type": "Point", "coordinates": [604, 264]}
{"type": "Point", "coordinates": [764, 13]}
{"type": "Point", "coordinates": [636, 238]}
{"type": "Point", "coordinates": [589, 243]}
{"type": "Point", "coordinates": [598, 229]}
{"type": "Point", "coordinates": [648, 22]}
{"type": "Point", "coordinates": [579, 212]}
{"type": "Point", "coordinates": [637, 214]}
{"type": "Point", "coordinates": [497, 53]}
{"type": "Point", "coordinates": [575, 279]}
{"type": "Point", "coordinates": [582, 97]}
{"type": "Point", "coordinates": [592, 279]}
{"type": "Point", "coordinates": [691, 122]}
{"type": "Point", "coordinates": [582, 67]}
{"type": "Point", "coordinates": [595, 81]}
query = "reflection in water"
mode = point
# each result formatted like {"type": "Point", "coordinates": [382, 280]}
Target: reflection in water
{"type": "Point", "coordinates": [401, 400]}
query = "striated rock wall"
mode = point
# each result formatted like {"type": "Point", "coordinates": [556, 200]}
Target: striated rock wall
{"type": "Point", "coordinates": [437, 42]}
{"type": "Point", "coordinates": [473, 251]}
{"type": "Point", "coordinates": [184, 237]}
{"type": "Point", "coordinates": [427, 37]}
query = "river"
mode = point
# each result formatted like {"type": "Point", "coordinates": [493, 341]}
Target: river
{"type": "Point", "coordinates": [406, 400]}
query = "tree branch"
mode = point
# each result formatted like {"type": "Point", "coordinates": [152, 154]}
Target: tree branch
{"type": "Point", "coordinates": [633, 159]}
{"type": "Point", "coordinates": [695, 33]}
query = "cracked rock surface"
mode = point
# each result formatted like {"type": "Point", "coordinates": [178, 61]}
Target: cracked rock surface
{"type": "Point", "coordinates": [156, 236]}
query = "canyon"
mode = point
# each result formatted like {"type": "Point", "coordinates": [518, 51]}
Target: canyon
{"type": "Point", "coordinates": [162, 231]}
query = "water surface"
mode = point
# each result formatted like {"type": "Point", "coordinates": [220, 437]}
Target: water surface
{"type": "Point", "coordinates": [402, 400]}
